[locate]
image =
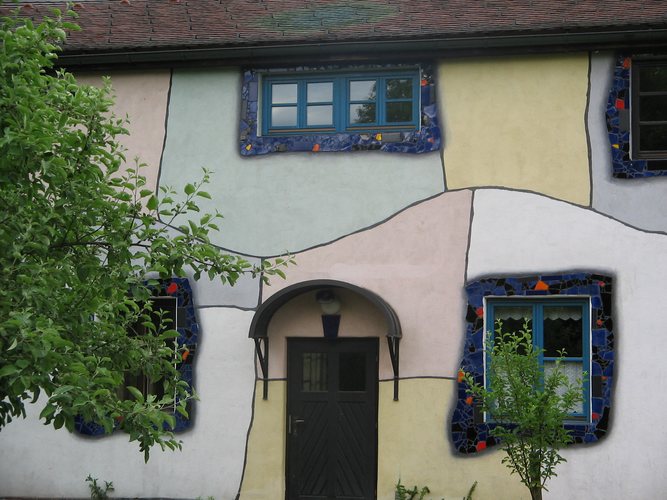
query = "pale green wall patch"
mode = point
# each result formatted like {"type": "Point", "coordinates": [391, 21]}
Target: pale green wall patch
{"type": "Point", "coordinates": [280, 202]}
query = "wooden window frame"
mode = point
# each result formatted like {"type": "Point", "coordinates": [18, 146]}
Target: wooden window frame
{"type": "Point", "coordinates": [635, 109]}
{"type": "Point", "coordinates": [537, 305]}
{"type": "Point", "coordinates": [341, 101]}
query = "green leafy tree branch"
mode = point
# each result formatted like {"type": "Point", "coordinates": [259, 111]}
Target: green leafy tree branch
{"type": "Point", "coordinates": [82, 240]}
{"type": "Point", "coordinates": [526, 406]}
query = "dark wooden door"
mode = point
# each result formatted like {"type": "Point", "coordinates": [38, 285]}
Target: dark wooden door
{"type": "Point", "coordinates": [332, 389]}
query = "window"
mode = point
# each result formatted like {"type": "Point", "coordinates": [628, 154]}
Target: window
{"type": "Point", "coordinates": [163, 316]}
{"type": "Point", "coordinates": [336, 103]}
{"type": "Point", "coordinates": [649, 109]}
{"type": "Point", "coordinates": [571, 311]}
{"type": "Point", "coordinates": [637, 117]}
{"type": "Point", "coordinates": [175, 299]}
{"type": "Point", "coordinates": [557, 324]}
{"type": "Point", "coordinates": [375, 107]}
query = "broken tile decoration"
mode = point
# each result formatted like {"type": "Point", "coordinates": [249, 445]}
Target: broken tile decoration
{"type": "Point", "coordinates": [470, 434]}
{"type": "Point", "coordinates": [424, 140]}
{"type": "Point", "coordinates": [618, 128]}
{"type": "Point", "coordinates": [188, 329]}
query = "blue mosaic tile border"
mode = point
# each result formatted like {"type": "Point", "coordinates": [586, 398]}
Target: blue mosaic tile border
{"type": "Point", "coordinates": [188, 329]}
{"type": "Point", "coordinates": [426, 139]}
{"type": "Point", "coordinates": [618, 128]}
{"type": "Point", "coordinates": [470, 434]}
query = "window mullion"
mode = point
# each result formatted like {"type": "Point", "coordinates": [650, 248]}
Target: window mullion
{"type": "Point", "coordinates": [381, 101]}
{"type": "Point", "coordinates": [301, 103]}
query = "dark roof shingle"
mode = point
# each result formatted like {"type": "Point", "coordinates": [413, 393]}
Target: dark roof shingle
{"type": "Point", "coordinates": [150, 25]}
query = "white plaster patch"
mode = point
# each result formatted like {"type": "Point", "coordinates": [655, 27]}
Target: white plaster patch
{"type": "Point", "coordinates": [638, 202]}
{"type": "Point", "coordinates": [523, 234]}
{"type": "Point", "coordinates": [39, 461]}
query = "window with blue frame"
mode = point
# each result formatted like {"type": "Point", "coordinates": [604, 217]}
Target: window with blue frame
{"type": "Point", "coordinates": [560, 329]}
{"type": "Point", "coordinates": [330, 103]}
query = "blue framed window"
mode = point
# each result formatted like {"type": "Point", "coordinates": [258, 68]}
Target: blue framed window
{"type": "Point", "coordinates": [557, 325]}
{"type": "Point", "coordinates": [331, 103]}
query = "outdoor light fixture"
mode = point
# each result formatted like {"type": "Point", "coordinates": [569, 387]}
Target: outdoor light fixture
{"type": "Point", "coordinates": [330, 308]}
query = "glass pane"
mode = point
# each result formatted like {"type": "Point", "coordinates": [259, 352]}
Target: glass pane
{"type": "Point", "coordinates": [314, 372]}
{"type": "Point", "coordinates": [364, 90]}
{"type": "Point", "coordinates": [352, 371]}
{"type": "Point", "coordinates": [574, 373]}
{"type": "Point", "coordinates": [319, 115]}
{"type": "Point", "coordinates": [512, 317]}
{"type": "Point", "coordinates": [399, 112]}
{"type": "Point", "coordinates": [653, 137]}
{"type": "Point", "coordinates": [653, 108]}
{"type": "Point", "coordinates": [283, 116]}
{"type": "Point", "coordinates": [652, 78]}
{"type": "Point", "coordinates": [563, 327]}
{"type": "Point", "coordinates": [320, 92]}
{"type": "Point", "coordinates": [399, 88]}
{"type": "Point", "coordinates": [283, 93]}
{"type": "Point", "coordinates": [362, 113]}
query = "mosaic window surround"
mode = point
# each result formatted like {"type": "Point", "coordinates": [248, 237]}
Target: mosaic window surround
{"type": "Point", "coordinates": [188, 329]}
{"type": "Point", "coordinates": [619, 128]}
{"type": "Point", "coordinates": [424, 139]}
{"type": "Point", "coordinates": [470, 433]}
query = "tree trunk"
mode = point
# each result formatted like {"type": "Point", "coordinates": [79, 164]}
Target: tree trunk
{"type": "Point", "coordinates": [536, 493]}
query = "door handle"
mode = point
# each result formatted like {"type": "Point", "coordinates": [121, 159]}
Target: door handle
{"type": "Point", "coordinates": [292, 423]}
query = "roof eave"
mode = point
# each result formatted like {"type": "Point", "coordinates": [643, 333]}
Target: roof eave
{"type": "Point", "coordinates": [424, 48]}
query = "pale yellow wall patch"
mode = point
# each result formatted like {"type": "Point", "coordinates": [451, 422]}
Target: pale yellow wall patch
{"type": "Point", "coordinates": [517, 122]}
{"type": "Point", "coordinates": [264, 475]}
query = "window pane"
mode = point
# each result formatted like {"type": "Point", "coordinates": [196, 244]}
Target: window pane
{"type": "Point", "coordinates": [283, 93]}
{"type": "Point", "coordinates": [314, 372]}
{"type": "Point", "coordinates": [320, 92]}
{"type": "Point", "coordinates": [363, 90]}
{"type": "Point", "coordinates": [512, 318]}
{"type": "Point", "coordinates": [283, 116]}
{"type": "Point", "coordinates": [319, 115]}
{"type": "Point", "coordinates": [653, 137]}
{"type": "Point", "coordinates": [362, 113]}
{"type": "Point", "coordinates": [653, 108]}
{"type": "Point", "coordinates": [652, 78]}
{"type": "Point", "coordinates": [352, 371]}
{"type": "Point", "coordinates": [574, 373]}
{"type": "Point", "coordinates": [399, 88]}
{"type": "Point", "coordinates": [399, 112]}
{"type": "Point", "coordinates": [563, 329]}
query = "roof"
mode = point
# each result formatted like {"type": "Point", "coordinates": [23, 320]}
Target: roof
{"type": "Point", "coordinates": [152, 29]}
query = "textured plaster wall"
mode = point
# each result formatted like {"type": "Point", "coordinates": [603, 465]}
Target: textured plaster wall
{"type": "Point", "coordinates": [517, 122]}
{"type": "Point", "coordinates": [421, 453]}
{"type": "Point", "coordinates": [142, 96]}
{"type": "Point", "coordinates": [281, 202]}
{"type": "Point", "coordinates": [38, 461]}
{"type": "Point", "coordinates": [637, 202]}
{"type": "Point", "coordinates": [415, 262]}
{"type": "Point", "coordinates": [518, 233]}
{"type": "Point", "coordinates": [264, 474]}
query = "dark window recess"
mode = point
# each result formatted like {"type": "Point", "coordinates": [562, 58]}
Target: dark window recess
{"type": "Point", "coordinates": [314, 378]}
{"type": "Point", "coordinates": [163, 316]}
{"type": "Point", "coordinates": [352, 376]}
{"type": "Point", "coordinates": [649, 109]}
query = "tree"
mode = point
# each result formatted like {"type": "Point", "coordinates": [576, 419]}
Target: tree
{"type": "Point", "coordinates": [528, 407]}
{"type": "Point", "coordinates": [81, 244]}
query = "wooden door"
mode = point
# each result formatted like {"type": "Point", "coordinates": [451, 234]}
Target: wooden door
{"type": "Point", "coordinates": [332, 418]}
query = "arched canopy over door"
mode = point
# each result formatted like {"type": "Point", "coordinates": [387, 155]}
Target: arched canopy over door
{"type": "Point", "coordinates": [260, 322]}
